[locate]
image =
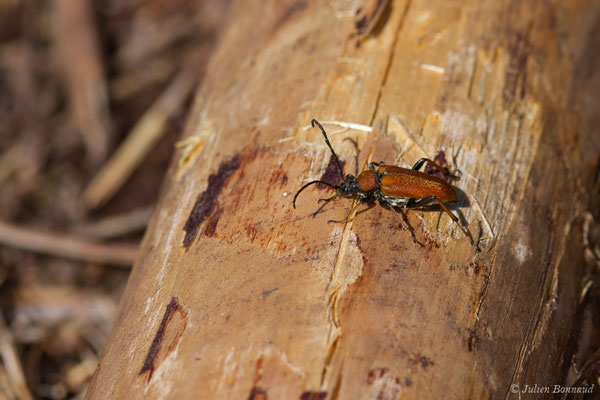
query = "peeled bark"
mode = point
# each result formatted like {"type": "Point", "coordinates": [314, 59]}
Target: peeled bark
{"type": "Point", "coordinates": [237, 295]}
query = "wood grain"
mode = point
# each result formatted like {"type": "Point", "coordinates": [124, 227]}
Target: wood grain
{"type": "Point", "coordinates": [277, 303]}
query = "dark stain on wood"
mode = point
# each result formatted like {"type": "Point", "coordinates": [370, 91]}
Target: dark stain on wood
{"type": "Point", "coordinates": [376, 373]}
{"type": "Point", "coordinates": [278, 176]}
{"type": "Point", "coordinates": [206, 201]}
{"type": "Point", "coordinates": [471, 340]}
{"type": "Point", "coordinates": [368, 16]}
{"type": "Point", "coordinates": [310, 395]}
{"type": "Point", "coordinates": [258, 394]}
{"type": "Point", "coordinates": [166, 338]}
{"type": "Point", "coordinates": [258, 370]}
{"type": "Point", "coordinates": [331, 174]}
{"type": "Point", "coordinates": [211, 224]}
{"type": "Point", "coordinates": [266, 293]}
{"type": "Point", "coordinates": [475, 267]}
{"type": "Point", "coordinates": [440, 159]}
{"type": "Point", "coordinates": [516, 72]}
{"type": "Point", "coordinates": [426, 362]}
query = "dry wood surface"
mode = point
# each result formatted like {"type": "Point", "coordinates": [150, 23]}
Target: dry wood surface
{"type": "Point", "coordinates": [237, 295]}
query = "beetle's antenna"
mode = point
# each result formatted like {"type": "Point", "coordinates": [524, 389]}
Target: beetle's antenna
{"type": "Point", "coordinates": [311, 183]}
{"type": "Point", "coordinates": [313, 122]}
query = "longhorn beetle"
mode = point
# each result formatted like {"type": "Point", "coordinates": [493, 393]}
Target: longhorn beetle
{"type": "Point", "coordinates": [392, 186]}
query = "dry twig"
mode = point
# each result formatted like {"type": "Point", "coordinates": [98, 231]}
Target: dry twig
{"type": "Point", "coordinates": [12, 364]}
{"type": "Point", "coordinates": [84, 74]}
{"type": "Point", "coordinates": [65, 246]}
{"type": "Point", "coordinates": [117, 225]}
{"type": "Point", "coordinates": [141, 139]}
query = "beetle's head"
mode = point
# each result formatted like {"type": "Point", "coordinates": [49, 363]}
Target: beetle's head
{"type": "Point", "coordinates": [348, 186]}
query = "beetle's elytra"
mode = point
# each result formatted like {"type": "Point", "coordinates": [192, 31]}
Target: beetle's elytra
{"type": "Point", "coordinates": [392, 186]}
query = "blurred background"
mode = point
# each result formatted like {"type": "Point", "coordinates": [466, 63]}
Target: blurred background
{"type": "Point", "coordinates": [93, 98]}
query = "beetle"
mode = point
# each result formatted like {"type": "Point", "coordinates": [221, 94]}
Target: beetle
{"type": "Point", "coordinates": [391, 185]}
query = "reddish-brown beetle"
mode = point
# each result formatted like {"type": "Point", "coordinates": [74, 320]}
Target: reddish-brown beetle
{"type": "Point", "coordinates": [392, 186]}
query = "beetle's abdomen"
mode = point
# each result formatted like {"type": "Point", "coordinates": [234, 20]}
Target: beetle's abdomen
{"type": "Point", "coordinates": [417, 185]}
{"type": "Point", "coordinates": [367, 181]}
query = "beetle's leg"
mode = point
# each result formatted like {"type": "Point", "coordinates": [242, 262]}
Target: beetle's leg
{"type": "Point", "coordinates": [412, 203]}
{"type": "Point", "coordinates": [327, 200]}
{"type": "Point", "coordinates": [375, 165]}
{"type": "Point", "coordinates": [435, 165]}
{"type": "Point", "coordinates": [419, 164]}
{"type": "Point", "coordinates": [350, 213]}
{"type": "Point", "coordinates": [455, 219]}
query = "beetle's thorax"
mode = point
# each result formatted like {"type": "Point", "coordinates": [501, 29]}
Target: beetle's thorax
{"type": "Point", "coordinates": [368, 181]}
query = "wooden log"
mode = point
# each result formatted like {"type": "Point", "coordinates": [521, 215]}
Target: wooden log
{"type": "Point", "coordinates": [237, 295]}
